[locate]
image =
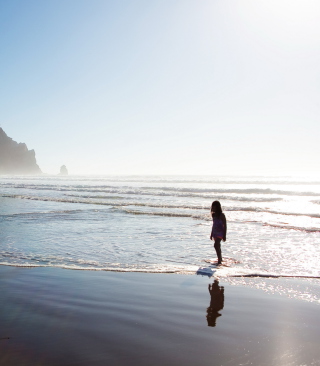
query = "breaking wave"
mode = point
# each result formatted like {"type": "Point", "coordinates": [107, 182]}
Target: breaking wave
{"type": "Point", "coordinates": [163, 191]}
{"type": "Point", "coordinates": [122, 206]}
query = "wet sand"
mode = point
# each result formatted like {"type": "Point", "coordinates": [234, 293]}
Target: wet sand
{"type": "Point", "coordinates": [62, 317]}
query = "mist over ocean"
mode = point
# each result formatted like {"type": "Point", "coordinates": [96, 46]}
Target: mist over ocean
{"type": "Point", "coordinates": [162, 224]}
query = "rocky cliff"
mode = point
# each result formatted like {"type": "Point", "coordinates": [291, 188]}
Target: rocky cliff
{"type": "Point", "coordinates": [15, 158]}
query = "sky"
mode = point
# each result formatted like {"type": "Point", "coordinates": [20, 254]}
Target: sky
{"type": "Point", "coordinates": [192, 87]}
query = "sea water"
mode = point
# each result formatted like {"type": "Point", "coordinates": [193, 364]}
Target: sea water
{"type": "Point", "coordinates": [163, 224]}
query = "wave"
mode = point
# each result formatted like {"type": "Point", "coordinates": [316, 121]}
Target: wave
{"type": "Point", "coordinates": [218, 181]}
{"type": "Point", "coordinates": [140, 270]}
{"type": "Point", "coordinates": [37, 215]}
{"type": "Point", "coordinates": [221, 197]}
{"type": "Point", "coordinates": [206, 217]}
{"type": "Point", "coordinates": [297, 228]}
{"type": "Point", "coordinates": [120, 208]}
{"type": "Point", "coordinates": [160, 206]}
{"type": "Point", "coordinates": [136, 192]}
{"type": "Point", "coordinates": [196, 192]}
{"type": "Point", "coordinates": [233, 190]}
{"type": "Point", "coordinates": [167, 214]}
{"type": "Point", "coordinates": [116, 268]}
{"type": "Point", "coordinates": [165, 269]}
{"type": "Point", "coordinates": [88, 200]}
{"type": "Point", "coordinates": [256, 180]}
{"type": "Point", "coordinates": [263, 210]}
{"type": "Point", "coordinates": [266, 275]}
{"type": "Point", "coordinates": [112, 204]}
{"type": "Point", "coordinates": [161, 191]}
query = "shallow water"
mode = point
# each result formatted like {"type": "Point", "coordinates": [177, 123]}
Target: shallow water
{"type": "Point", "coordinates": [161, 224]}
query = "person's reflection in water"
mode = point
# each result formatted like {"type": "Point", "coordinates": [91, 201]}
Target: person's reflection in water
{"type": "Point", "coordinates": [216, 303]}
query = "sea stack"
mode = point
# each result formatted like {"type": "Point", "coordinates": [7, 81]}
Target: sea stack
{"type": "Point", "coordinates": [63, 170]}
{"type": "Point", "coordinates": [15, 158]}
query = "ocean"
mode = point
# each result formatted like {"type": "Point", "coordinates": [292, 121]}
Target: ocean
{"type": "Point", "coordinates": [162, 224]}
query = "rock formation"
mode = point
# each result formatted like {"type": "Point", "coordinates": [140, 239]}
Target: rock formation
{"type": "Point", "coordinates": [63, 170]}
{"type": "Point", "coordinates": [15, 158]}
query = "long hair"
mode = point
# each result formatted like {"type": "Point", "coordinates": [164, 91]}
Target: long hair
{"type": "Point", "coordinates": [216, 209]}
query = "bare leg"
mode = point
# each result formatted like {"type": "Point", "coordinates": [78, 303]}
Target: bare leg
{"type": "Point", "coordinates": [217, 247]}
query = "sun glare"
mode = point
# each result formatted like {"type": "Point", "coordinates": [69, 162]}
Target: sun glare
{"type": "Point", "coordinates": [293, 21]}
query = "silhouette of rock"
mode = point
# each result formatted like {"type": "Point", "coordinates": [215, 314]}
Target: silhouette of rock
{"type": "Point", "coordinates": [15, 158]}
{"type": "Point", "coordinates": [63, 170]}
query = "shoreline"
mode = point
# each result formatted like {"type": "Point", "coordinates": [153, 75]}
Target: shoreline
{"type": "Point", "coordinates": [53, 316]}
{"type": "Point", "coordinates": [198, 270]}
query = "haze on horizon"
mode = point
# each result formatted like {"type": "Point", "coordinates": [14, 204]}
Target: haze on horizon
{"type": "Point", "coordinates": [163, 87]}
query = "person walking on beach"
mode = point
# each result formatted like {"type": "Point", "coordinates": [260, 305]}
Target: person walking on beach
{"type": "Point", "coordinates": [219, 228]}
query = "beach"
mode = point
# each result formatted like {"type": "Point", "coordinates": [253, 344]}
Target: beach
{"type": "Point", "coordinates": [52, 316]}
{"type": "Point", "coordinates": [107, 271]}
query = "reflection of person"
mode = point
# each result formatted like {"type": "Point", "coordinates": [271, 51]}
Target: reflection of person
{"type": "Point", "coordinates": [219, 228]}
{"type": "Point", "coordinates": [216, 303]}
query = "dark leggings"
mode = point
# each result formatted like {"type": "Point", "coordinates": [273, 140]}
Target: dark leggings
{"type": "Point", "coordinates": [217, 247]}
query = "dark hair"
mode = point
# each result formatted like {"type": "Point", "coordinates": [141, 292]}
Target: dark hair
{"type": "Point", "coordinates": [218, 210]}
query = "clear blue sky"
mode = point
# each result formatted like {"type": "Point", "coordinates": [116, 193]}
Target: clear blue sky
{"type": "Point", "coordinates": [163, 86]}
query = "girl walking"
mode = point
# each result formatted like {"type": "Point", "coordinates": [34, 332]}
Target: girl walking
{"type": "Point", "coordinates": [219, 228]}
